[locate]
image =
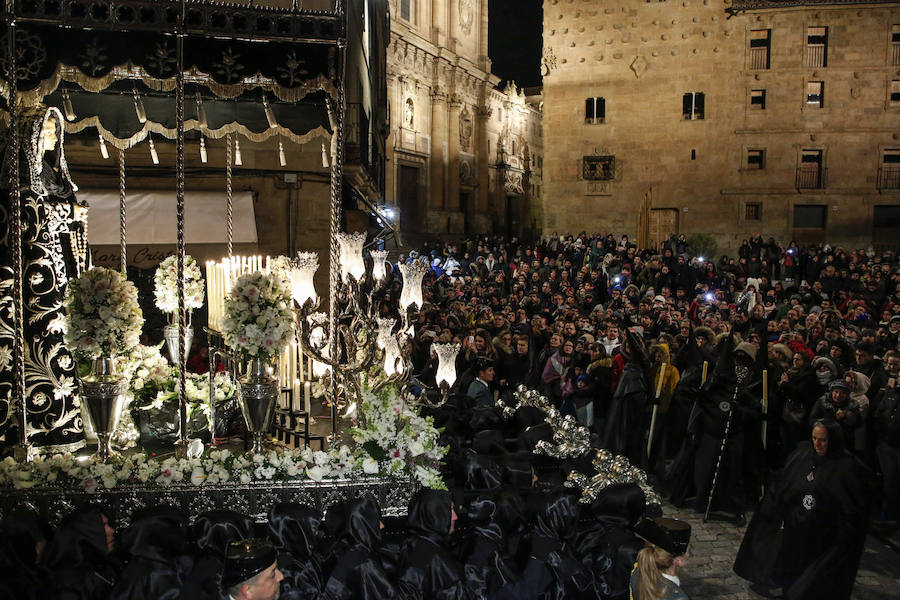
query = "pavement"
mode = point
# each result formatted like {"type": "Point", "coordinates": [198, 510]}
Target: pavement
{"type": "Point", "coordinates": [714, 545]}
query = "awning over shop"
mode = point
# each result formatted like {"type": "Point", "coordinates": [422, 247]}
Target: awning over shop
{"type": "Point", "coordinates": [151, 217]}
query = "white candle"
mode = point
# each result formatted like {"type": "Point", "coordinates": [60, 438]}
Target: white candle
{"type": "Point", "coordinates": [307, 395]}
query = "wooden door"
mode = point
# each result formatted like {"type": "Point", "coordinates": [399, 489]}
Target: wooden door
{"type": "Point", "coordinates": [663, 225]}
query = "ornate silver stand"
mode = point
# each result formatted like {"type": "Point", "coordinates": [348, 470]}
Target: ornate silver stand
{"type": "Point", "coordinates": [258, 391]}
{"type": "Point", "coordinates": [102, 401]}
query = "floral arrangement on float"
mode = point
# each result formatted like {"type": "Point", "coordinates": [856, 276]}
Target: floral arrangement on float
{"type": "Point", "coordinates": [165, 290]}
{"type": "Point", "coordinates": [258, 324]}
{"type": "Point", "coordinates": [103, 322]}
{"type": "Point", "coordinates": [103, 317]}
{"type": "Point", "coordinates": [258, 317]}
{"type": "Point", "coordinates": [398, 438]}
{"type": "Point", "coordinates": [395, 442]}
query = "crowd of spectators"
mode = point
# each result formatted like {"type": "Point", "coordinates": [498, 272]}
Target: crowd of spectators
{"type": "Point", "coordinates": [643, 347]}
{"type": "Point", "coordinates": [554, 315]}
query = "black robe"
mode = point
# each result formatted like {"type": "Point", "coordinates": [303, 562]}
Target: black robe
{"type": "Point", "coordinates": [296, 532]}
{"type": "Point", "coordinates": [212, 532]}
{"type": "Point", "coordinates": [78, 564]}
{"type": "Point", "coordinates": [358, 570]}
{"type": "Point", "coordinates": [52, 245]}
{"type": "Point", "coordinates": [155, 544]}
{"type": "Point", "coordinates": [428, 570]}
{"type": "Point", "coordinates": [809, 532]}
{"type": "Point", "coordinates": [628, 420]}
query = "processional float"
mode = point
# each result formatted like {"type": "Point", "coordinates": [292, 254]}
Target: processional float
{"type": "Point", "coordinates": [163, 68]}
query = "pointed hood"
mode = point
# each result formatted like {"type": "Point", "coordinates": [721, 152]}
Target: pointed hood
{"type": "Point", "coordinates": [295, 529]}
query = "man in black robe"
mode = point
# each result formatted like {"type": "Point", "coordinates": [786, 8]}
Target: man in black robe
{"type": "Point", "coordinates": [806, 539]}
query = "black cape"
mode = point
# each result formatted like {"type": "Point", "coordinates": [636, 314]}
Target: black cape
{"type": "Point", "coordinates": [809, 532]}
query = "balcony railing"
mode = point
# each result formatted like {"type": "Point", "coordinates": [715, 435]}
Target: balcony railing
{"type": "Point", "coordinates": [810, 178]}
{"type": "Point", "coordinates": [895, 53]}
{"type": "Point", "coordinates": [889, 178]}
{"type": "Point", "coordinates": [759, 58]}
{"type": "Point", "coordinates": [815, 55]}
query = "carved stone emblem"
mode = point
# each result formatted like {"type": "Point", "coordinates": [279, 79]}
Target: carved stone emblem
{"type": "Point", "coordinates": [513, 183]}
{"type": "Point", "coordinates": [548, 61]}
{"type": "Point", "coordinates": [639, 65]}
{"type": "Point", "coordinates": [466, 16]}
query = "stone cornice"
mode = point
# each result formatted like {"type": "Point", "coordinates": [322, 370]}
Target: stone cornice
{"type": "Point", "coordinates": [738, 6]}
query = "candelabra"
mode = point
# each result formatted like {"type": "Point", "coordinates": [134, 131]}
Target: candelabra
{"type": "Point", "coordinates": [349, 348]}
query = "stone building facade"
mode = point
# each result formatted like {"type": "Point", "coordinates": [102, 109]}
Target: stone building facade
{"type": "Point", "coordinates": [463, 155]}
{"type": "Point", "coordinates": [725, 117]}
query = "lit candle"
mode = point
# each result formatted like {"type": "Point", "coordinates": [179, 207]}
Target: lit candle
{"type": "Point", "coordinates": [446, 371]}
{"type": "Point", "coordinates": [411, 295]}
{"type": "Point", "coordinates": [303, 270]}
{"type": "Point", "coordinates": [379, 258]}
{"type": "Point", "coordinates": [350, 255]}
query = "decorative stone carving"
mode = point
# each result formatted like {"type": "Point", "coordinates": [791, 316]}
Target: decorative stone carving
{"type": "Point", "coordinates": [598, 168]}
{"type": "Point", "coordinates": [466, 16]}
{"type": "Point", "coordinates": [467, 175]}
{"type": "Point", "coordinates": [548, 61]}
{"type": "Point", "coordinates": [465, 130]}
{"type": "Point", "coordinates": [638, 66]}
{"type": "Point", "coordinates": [513, 183]}
{"type": "Point", "coordinates": [409, 115]}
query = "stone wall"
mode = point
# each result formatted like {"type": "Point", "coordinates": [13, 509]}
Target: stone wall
{"type": "Point", "coordinates": [643, 57]}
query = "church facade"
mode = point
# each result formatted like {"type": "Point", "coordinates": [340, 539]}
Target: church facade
{"type": "Point", "coordinates": [464, 154]}
{"type": "Point", "coordinates": [723, 117]}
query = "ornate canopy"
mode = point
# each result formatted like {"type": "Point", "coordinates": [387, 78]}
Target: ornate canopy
{"type": "Point", "coordinates": [255, 71]}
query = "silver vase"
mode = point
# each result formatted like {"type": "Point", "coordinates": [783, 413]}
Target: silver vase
{"type": "Point", "coordinates": [258, 391]}
{"type": "Point", "coordinates": [170, 334]}
{"type": "Point", "coordinates": [102, 401]}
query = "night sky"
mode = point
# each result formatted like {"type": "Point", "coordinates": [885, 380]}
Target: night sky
{"type": "Point", "coordinates": [514, 40]}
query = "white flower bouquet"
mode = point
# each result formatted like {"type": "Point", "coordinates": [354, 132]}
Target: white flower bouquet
{"type": "Point", "coordinates": [398, 439]}
{"type": "Point", "coordinates": [146, 371]}
{"type": "Point", "coordinates": [258, 318]}
{"type": "Point", "coordinates": [165, 285]}
{"type": "Point", "coordinates": [103, 318]}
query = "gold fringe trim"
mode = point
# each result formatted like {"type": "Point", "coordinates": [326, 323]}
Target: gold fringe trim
{"type": "Point", "coordinates": [129, 71]}
{"type": "Point", "coordinates": [194, 125]}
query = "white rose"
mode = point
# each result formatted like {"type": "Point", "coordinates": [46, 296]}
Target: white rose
{"type": "Point", "coordinates": [416, 448]}
{"type": "Point", "coordinates": [245, 478]}
{"type": "Point", "coordinates": [315, 473]}
{"type": "Point", "coordinates": [370, 466]}
{"type": "Point", "coordinates": [198, 476]}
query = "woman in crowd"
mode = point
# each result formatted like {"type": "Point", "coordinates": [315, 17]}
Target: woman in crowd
{"type": "Point", "coordinates": [655, 576]}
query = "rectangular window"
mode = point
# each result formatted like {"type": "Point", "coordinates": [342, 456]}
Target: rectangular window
{"type": "Point", "coordinates": [810, 175]}
{"type": "Point", "coordinates": [756, 159]}
{"type": "Point", "coordinates": [816, 46]}
{"type": "Point", "coordinates": [889, 171]}
{"type": "Point", "coordinates": [594, 111]}
{"type": "Point", "coordinates": [406, 10]}
{"type": "Point", "coordinates": [887, 216]}
{"type": "Point", "coordinates": [810, 216]}
{"type": "Point", "coordinates": [598, 168]}
{"type": "Point", "coordinates": [815, 94]}
{"type": "Point", "coordinates": [895, 92]}
{"type": "Point", "coordinates": [758, 99]}
{"type": "Point", "coordinates": [895, 44]}
{"type": "Point", "coordinates": [693, 106]}
{"type": "Point", "coordinates": [752, 211]}
{"type": "Point", "coordinates": [760, 42]}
